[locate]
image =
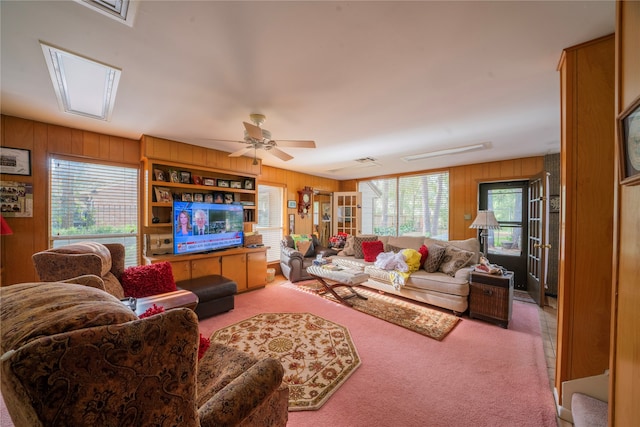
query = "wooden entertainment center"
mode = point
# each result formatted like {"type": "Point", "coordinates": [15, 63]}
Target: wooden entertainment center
{"type": "Point", "coordinates": [193, 166]}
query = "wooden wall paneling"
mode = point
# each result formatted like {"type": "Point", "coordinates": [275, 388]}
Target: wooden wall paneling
{"type": "Point", "coordinates": [59, 140]}
{"type": "Point", "coordinates": [587, 74]}
{"type": "Point", "coordinates": [624, 393]}
{"type": "Point", "coordinates": [131, 151]}
{"type": "Point", "coordinates": [17, 248]}
{"type": "Point", "coordinates": [89, 144]}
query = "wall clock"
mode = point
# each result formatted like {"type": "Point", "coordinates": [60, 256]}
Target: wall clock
{"type": "Point", "coordinates": [304, 201]}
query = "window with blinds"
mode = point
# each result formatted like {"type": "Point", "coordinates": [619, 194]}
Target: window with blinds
{"type": "Point", "coordinates": [412, 205]}
{"type": "Point", "coordinates": [97, 202]}
{"type": "Point", "coordinates": [270, 219]}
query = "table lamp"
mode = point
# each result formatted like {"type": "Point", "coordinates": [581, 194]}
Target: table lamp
{"type": "Point", "coordinates": [485, 221]}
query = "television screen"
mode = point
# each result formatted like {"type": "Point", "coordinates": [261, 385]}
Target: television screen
{"type": "Point", "coordinates": [205, 227]}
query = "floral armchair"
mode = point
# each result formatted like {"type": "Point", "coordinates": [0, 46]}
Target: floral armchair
{"type": "Point", "coordinates": [73, 355]}
{"type": "Point", "coordinates": [77, 259]}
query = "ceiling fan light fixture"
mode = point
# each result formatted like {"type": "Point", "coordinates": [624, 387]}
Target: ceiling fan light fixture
{"type": "Point", "coordinates": [446, 151]}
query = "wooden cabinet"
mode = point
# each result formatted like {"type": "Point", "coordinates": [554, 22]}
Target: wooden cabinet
{"type": "Point", "coordinates": [234, 267]}
{"type": "Point", "coordinates": [245, 266]}
{"type": "Point", "coordinates": [256, 269]}
{"type": "Point", "coordinates": [587, 209]}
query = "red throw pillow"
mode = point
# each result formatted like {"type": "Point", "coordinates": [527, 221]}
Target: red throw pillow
{"type": "Point", "coordinates": [424, 253]}
{"type": "Point", "coordinates": [146, 280]}
{"type": "Point", "coordinates": [372, 249]}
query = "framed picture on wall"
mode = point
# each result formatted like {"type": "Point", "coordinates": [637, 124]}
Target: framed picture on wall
{"type": "Point", "coordinates": [15, 161]}
{"type": "Point", "coordinates": [291, 204]}
{"type": "Point", "coordinates": [629, 144]}
{"type": "Point", "coordinates": [292, 224]}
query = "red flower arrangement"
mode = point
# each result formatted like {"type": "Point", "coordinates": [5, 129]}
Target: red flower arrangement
{"type": "Point", "coordinates": [339, 240]}
{"type": "Point", "coordinates": [204, 343]}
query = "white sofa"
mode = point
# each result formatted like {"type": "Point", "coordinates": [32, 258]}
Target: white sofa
{"type": "Point", "coordinates": [438, 288]}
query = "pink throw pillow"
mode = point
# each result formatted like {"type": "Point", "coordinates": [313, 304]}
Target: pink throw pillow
{"type": "Point", "coordinates": [372, 249]}
{"type": "Point", "coordinates": [146, 280]}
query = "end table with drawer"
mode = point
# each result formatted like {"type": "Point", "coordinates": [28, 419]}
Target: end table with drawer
{"type": "Point", "coordinates": [491, 297]}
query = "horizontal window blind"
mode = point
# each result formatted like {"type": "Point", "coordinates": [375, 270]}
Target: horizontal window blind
{"type": "Point", "coordinates": [409, 205]}
{"type": "Point", "coordinates": [97, 202]}
{"type": "Point", "coordinates": [270, 220]}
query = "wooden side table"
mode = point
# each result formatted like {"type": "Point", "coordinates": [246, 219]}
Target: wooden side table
{"type": "Point", "coordinates": [491, 297]}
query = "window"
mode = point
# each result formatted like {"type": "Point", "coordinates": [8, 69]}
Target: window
{"type": "Point", "coordinates": [412, 205]}
{"type": "Point", "coordinates": [97, 202]}
{"type": "Point", "coordinates": [270, 220]}
{"type": "Point", "coordinates": [506, 202]}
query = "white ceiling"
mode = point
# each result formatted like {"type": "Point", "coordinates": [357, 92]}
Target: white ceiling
{"type": "Point", "coordinates": [362, 79]}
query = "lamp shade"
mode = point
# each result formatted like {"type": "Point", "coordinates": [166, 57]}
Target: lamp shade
{"type": "Point", "coordinates": [485, 220]}
{"type": "Point", "coordinates": [4, 227]}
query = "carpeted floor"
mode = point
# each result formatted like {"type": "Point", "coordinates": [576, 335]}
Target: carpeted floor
{"type": "Point", "coordinates": [428, 322]}
{"type": "Point", "coordinates": [481, 375]}
{"type": "Point", "coordinates": [318, 355]}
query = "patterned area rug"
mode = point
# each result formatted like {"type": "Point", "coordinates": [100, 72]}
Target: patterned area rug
{"type": "Point", "coordinates": [317, 355]}
{"type": "Point", "coordinates": [431, 323]}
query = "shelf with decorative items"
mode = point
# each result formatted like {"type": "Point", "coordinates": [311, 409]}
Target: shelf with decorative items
{"type": "Point", "coordinates": [168, 181]}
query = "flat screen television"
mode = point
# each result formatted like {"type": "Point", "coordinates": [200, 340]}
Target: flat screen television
{"type": "Point", "coordinates": [206, 227]}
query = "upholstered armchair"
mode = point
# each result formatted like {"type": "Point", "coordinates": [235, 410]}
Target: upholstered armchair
{"type": "Point", "coordinates": [73, 355]}
{"type": "Point", "coordinates": [103, 260]}
{"type": "Point", "coordinates": [294, 262]}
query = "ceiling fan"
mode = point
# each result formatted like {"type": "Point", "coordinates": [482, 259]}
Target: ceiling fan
{"type": "Point", "coordinates": [257, 138]}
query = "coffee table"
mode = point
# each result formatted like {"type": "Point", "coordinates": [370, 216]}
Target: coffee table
{"type": "Point", "coordinates": [169, 300]}
{"type": "Point", "coordinates": [339, 276]}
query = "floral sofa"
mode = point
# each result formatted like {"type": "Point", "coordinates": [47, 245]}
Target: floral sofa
{"type": "Point", "coordinates": [74, 355]}
{"type": "Point", "coordinates": [443, 280]}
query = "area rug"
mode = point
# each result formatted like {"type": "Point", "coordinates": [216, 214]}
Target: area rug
{"type": "Point", "coordinates": [428, 322]}
{"type": "Point", "coordinates": [317, 355]}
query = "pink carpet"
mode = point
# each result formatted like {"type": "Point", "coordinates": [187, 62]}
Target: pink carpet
{"type": "Point", "coordinates": [479, 375]}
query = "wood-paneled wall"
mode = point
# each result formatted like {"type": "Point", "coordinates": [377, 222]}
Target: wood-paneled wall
{"type": "Point", "coordinates": [624, 391]}
{"type": "Point", "coordinates": [586, 221]}
{"type": "Point", "coordinates": [30, 235]}
{"type": "Point", "coordinates": [463, 188]}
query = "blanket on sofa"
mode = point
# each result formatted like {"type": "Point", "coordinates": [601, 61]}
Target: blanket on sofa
{"type": "Point", "coordinates": [402, 263]}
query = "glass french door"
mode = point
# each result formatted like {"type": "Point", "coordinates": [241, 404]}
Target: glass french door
{"type": "Point", "coordinates": [346, 212]}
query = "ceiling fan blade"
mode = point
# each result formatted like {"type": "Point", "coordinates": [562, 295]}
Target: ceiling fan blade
{"type": "Point", "coordinates": [253, 131]}
{"type": "Point", "coordinates": [296, 144]}
{"type": "Point", "coordinates": [240, 152]}
{"type": "Point", "coordinates": [280, 154]}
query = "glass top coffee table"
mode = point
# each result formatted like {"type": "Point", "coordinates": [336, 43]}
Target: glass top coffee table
{"type": "Point", "coordinates": [338, 276]}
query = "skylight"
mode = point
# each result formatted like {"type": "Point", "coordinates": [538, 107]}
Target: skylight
{"type": "Point", "coordinates": [121, 10]}
{"type": "Point", "coordinates": [83, 86]}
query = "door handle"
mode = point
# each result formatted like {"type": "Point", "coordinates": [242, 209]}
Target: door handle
{"type": "Point", "coordinates": [538, 246]}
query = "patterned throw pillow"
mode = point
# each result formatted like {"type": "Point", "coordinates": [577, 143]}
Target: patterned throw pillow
{"type": "Point", "coordinates": [146, 280]}
{"type": "Point", "coordinates": [305, 247]}
{"type": "Point", "coordinates": [436, 252]}
{"type": "Point", "coordinates": [371, 250]}
{"type": "Point", "coordinates": [357, 245]}
{"type": "Point", "coordinates": [348, 247]}
{"type": "Point", "coordinates": [394, 249]}
{"type": "Point", "coordinates": [454, 259]}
